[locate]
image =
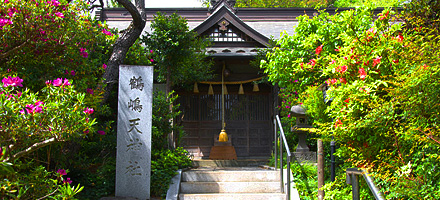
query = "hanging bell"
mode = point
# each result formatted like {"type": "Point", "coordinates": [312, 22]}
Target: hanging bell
{"type": "Point", "coordinates": [256, 89]}
{"type": "Point", "coordinates": [240, 90]}
{"type": "Point", "coordinates": [226, 89]}
{"type": "Point", "coordinates": [196, 88]}
{"type": "Point", "coordinates": [210, 90]}
{"type": "Point", "coordinates": [223, 137]}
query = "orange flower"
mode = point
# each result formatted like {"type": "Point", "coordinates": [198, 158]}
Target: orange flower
{"type": "Point", "coordinates": [342, 80]}
{"type": "Point", "coordinates": [376, 60]}
{"type": "Point", "coordinates": [341, 69]}
{"type": "Point", "coordinates": [338, 123]}
{"type": "Point", "coordinates": [362, 73]}
{"type": "Point", "coordinates": [318, 50]}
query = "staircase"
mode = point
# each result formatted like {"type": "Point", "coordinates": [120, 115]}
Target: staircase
{"type": "Point", "coordinates": [230, 183]}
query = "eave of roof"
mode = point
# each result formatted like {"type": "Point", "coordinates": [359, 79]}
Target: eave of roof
{"type": "Point", "coordinates": [223, 12]}
{"type": "Point", "coordinates": [245, 14]}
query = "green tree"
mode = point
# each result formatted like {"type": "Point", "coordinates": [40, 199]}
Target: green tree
{"type": "Point", "coordinates": [385, 104]}
{"type": "Point", "coordinates": [179, 55]}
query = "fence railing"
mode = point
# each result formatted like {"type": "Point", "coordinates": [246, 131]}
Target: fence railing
{"type": "Point", "coordinates": [283, 144]}
{"type": "Point", "coordinates": [353, 180]}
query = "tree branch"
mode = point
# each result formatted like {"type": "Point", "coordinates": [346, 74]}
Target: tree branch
{"type": "Point", "coordinates": [33, 148]}
{"type": "Point", "coordinates": [124, 42]}
{"type": "Point", "coordinates": [16, 48]}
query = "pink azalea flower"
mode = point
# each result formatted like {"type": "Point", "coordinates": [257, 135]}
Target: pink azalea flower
{"type": "Point", "coordinates": [101, 132]}
{"type": "Point", "coordinates": [151, 51]}
{"type": "Point", "coordinates": [104, 66]}
{"type": "Point", "coordinates": [86, 131]}
{"type": "Point", "coordinates": [12, 81]}
{"type": "Point", "coordinates": [67, 180]}
{"type": "Point", "coordinates": [83, 53]}
{"type": "Point", "coordinates": [66, 82]}
{"type": "Point", "coordinates": [11, 12]}
{"type": "Point", "coordinates": [90, 91]}
{"type": "Point", "coordinates": [107, 32]}
{"type": "Point", "coordinates": [29, 108]}
{"type": "Point", "coordinates": [55, 3]}
{"type": "Point", "coordinates": [151, 60]}
{"type": "Point", "coordinates": [33, 108]}
{"type": "Point", "coordinates": [48, 82]}
{"type": "Point", "coordinates": [88, 110]}
{"type": "Point", "coordinates": [39, 103]}
{"type": "Point", "coordinates": [62, 172]}
{"type": "Point", "coordinates": [58, 82]}
{"type": "Point", "coordinates": [72, 73]}
{"type": "Point", "coordinates": [60, 15]}
{"type": "Point", "coordinates": [4, 22]}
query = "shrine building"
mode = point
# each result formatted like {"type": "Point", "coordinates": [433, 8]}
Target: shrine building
{"type": "Point", "coordinates": [250, 104]}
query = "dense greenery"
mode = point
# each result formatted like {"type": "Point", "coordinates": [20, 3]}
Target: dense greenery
{"type": "Point", "coordinates": [179, 55]}
{"type": "Point", "coordinates": [51, 117]}
{"type": "Point", "coordinates": [384, 100]}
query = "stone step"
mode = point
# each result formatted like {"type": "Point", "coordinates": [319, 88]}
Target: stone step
{"type": "Point", "coordinates": [229, 187]}
{"type": "Point", "coordinates": [231, 176]}
{"type": "Point", "coordinates": [230, 163]}
{"type": "Point", "coordinates": [233, 196]}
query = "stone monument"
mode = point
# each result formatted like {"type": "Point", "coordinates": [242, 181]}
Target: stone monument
{"type": "Point", "coordinates": [133, 159]}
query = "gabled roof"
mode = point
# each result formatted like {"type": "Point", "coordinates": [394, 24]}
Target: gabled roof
{"type": "Point", "coordinates": [224, 28]}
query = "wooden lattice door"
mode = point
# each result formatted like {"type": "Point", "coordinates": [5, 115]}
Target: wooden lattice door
{"type": "Point", "coordinates": [247, 117]}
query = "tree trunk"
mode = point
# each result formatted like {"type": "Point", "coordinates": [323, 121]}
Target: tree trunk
{"type": "Point", "coordinates": [171, 144]}
{"type": "Point", "coordinates": [123, 43]}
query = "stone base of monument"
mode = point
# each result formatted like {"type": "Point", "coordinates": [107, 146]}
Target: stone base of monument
{"type": "Point", "coordinates": [308, 156]}
{"type": "Point", "coordinates": [223, 150]}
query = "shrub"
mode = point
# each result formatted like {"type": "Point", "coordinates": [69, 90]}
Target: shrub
{"type": "Point", "coordinates": [164, 165]}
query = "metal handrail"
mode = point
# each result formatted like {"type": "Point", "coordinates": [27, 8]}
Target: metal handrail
{"type": "Point", "coordinates": [353, 180]}
{"type": "Point", "coordinates": [283, 142]}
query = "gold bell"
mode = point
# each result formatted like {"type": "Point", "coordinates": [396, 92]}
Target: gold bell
{"type": "Point", "coordinates": [223, 137]}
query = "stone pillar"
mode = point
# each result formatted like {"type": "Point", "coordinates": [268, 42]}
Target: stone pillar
{"type": "Point", "coordinates": [133, 159]}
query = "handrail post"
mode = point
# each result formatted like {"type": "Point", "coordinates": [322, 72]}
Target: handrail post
{"type": "Point", "coordinates": [283, 142]}
{"type": "Point", "coordinates": [281, 165]}
{"type": "Point", "coordinates": [276, 141]}
{"type": "Point", "coordinates": [355, 186]}
{"type": "Point", "coordinates": [288, 177]}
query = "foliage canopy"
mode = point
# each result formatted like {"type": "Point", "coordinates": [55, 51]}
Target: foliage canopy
{"type": "Point", "coordinates": [382, 80]}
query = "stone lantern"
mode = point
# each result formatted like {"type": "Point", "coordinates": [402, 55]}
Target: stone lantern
{"type": "Point", "coordinates": [302, 152]}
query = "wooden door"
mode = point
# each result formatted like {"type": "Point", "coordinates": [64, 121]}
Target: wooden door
{"type": "Point", "coordinates": [247, 117]}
